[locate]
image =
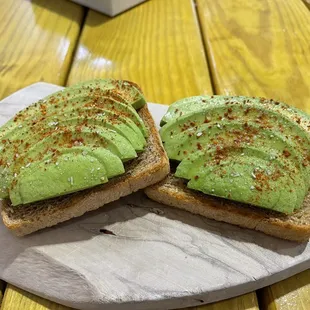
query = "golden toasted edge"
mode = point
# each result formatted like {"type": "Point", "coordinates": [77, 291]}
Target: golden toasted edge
{"type": "Point", "coordinates": [150, 167]}
{"type": "Point", "coordinates": [173, 192]}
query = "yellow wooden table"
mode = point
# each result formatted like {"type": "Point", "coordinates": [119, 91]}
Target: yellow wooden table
{"type": "Point", "coordinates": [173, 49]}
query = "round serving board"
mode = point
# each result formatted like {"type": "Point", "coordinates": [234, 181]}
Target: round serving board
{"type": "Point", "coordinates": [138, 254]}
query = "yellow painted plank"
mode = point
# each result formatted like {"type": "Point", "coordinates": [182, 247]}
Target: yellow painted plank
{"type": "Point", "coordinates": [37, 41]}
{"type": "Point", "coordinates": [156, 44]}
{"type": "Point", "coordinates": [259, 48]}
{"type": "Point", "coordinates": [292, 293]}
{"type": "Point", "coordinates": [17, 299]}
{"type": "Point", "coordinates": [244, 302]}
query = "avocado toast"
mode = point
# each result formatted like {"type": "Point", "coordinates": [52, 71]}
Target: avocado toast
{"type": "Point", "coordinates": [76, 150]}
{"type": "Point", "coordinates": [240, 160]}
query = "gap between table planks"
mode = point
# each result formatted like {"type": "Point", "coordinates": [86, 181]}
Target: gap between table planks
{"type": "Point", "coordinates": [37, 42]}
{"type": "Point", "coordinates": [2, 288]}
{"type": "Point", "coordinates": [261, 49]}
{"type": "Point", "coordinates": [157, 44]}
{"type": "Point", "coordinates": [307, 3]}
{"type": "Point", "coordinates": [293, 293]}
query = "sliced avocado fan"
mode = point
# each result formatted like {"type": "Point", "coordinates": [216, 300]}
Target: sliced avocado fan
{"type": "Point", "coordinates": [71, 140]}
{"type": "Point", "coordinates": [250, 150]}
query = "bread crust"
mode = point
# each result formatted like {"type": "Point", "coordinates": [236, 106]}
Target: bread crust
{"type": "Point", "coordinates": [173, 192]}
{"type": "Point", "coordinates": [150, 167]}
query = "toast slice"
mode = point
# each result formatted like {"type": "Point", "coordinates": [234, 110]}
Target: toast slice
{"type": "Point", "coordinates": [173, 192]}
{"type": "Point", "coordinates": [150, 167]}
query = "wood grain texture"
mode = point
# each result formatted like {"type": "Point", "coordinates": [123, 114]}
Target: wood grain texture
{"type": "Point", "coordinates": [245, 302]}
{"type": "Point", "coordinates": [259, 48]}
{"type": "Point", "coordinates": [17, 299]}
{"type": "Point", "coordinates": [292, 293]}
{"type": "Point", "coordinates": [37, 41]}
{"type": "Point", "coordinates": [156, 44]}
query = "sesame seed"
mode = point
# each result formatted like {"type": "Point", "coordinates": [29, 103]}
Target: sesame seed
{"type": "Point", "coordinates": [102, 178]}
{"type": "Point", "coordinates": [28, 165]}
{"type": "Point", "coordinates": [212, 190]}
{"type": "Point", "coordinates": [57, 163]}
{"type": "Point", "coordinates": [252, 188]}
{"type": "Point", "coordinates": [98, 168]}
{"type": "Point", "coordinates": [53, 124]}
{"type": "Point", "coordinates": [218, 126]}
{"type": "Point", "coordinates": [235, 174]}
{"type": "Point", "coordinates": [199, 134]}
{"type": "Point", "coordinates": [20, 126]}
{"type": "Point", "coordinates": [253, 175]}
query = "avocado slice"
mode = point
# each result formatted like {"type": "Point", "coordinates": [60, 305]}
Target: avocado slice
{"type": "Point", "coordinates": [69, 137]}
{"type": "Point", "coordinates": [77, 168]}
{"type": "Point", "coordinates": [89, 116]}
{"type": "Point", "coordinates": [97, 118]}
{"type": "Point", "coordinates": [40, 181]}
{"type": "Point", "coordinates": [48, 107]}
{"type": "Point", "coordinates": [191, 131]}
{"type": "Point", "coordinates": [191, 104]}
{"type": "Point", "coordinates": [42, 129]}
{"type": "Point", "coordinates": [209, 135]}
{"type": "Point", "coordinates": [94, 135]}
{"type": "Point", "coordinates": [245, 175]}
{"type": "Point", "coordinates": [75, 95]}
{"type": "Point", "coordinates": [107, 118]}
{"type": "Point", "coordinates": [121, 90]}
{"type": "Point", "coordinates": [256, 135]}
{"type": "Point", "coordinates": [183, 107]}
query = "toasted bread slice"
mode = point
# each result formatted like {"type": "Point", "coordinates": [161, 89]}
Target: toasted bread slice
{"type": "Point", "coordinates": [150, 167]}
{"type": "Point", "coordinates": [173, 191]}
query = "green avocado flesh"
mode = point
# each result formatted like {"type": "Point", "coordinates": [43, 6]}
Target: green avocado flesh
{"type": "Point", "coordinates": [251, 150]}
{"type": "Point", "coordinates": [71, 140]}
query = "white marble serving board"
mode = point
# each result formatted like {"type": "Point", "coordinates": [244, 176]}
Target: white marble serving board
{"type": "Point", "coordinates": [159, 257]}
